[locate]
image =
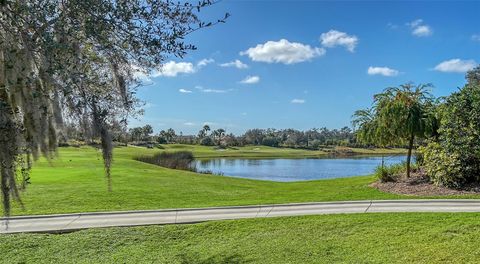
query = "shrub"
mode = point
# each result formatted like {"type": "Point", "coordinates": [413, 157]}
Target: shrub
{"type": "Point", "coordinates": [454, 159]}
{"type": "Point", "coordinates": [418, 159]}
{"type": "Point", "coordinates": [315, 144]}
{"type": "Point", "coordinates": [389, 173]}
{"type": "Point", "coordinates": [270, 141]}
{"type": "Point", "coordinates": [181, 160]}
{"type": "Point", "coordinates": [207, 141]}
{"type": "Point", "coordinates": [442, 168]}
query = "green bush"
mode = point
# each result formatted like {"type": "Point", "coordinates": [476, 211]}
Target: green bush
{"type": "Point", "coordinates": [442, 168]}
{"type": "Point", "coordinates": [207, 141]}
{"type": "Point", "coordinates": [270, 141]}
{"type": "Point", "coordinates": [418, 159]}
{"type": "Point", "coordinates": [389, 173]}
{"type": "Point", "coordinates": [454, 159]}
{"type": "Point", "coordinates": [315, 144]}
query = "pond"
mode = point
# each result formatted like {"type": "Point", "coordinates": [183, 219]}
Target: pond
{"type": "Point", "coordinates": [288, 170]}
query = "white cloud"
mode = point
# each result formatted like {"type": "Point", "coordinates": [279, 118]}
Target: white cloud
{"type": "Point", "coordinates": [283, 51]}
{"type": "Point", "coordinates": [456, 65]}
{"type": "Point", "coordinates": [335, 38]}
{"type": "Point", "coordinates": [415, 23]}
{"type": "Point", "coordinates": [189, 124]}
{"type": "Point", "coordinates": [185, 91]}
{"type": "Point", "coordinates": [236, 63]}
{"type": "Point", "coordinates": [385, 71]}
{"type": "Point", "coordinates": [476, 37]}
{"type": "Point", "coordinates": [297, 101]}
{"type": "Point", "coordinates": [250, 80]}
{"type": "Point", "coordinates": [204, 62]}
{"type": "Point", "coordinates": [172, 69]}
{"type": "Point", "coordinates": [420, 29]}
{"type": "Point", "coordinates": [207, 90]}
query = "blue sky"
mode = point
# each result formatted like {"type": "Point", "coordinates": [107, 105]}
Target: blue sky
{"type": "Point", "coordinates": [295, 64]}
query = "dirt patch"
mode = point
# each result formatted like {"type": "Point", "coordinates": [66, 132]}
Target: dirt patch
{"type": "Point", "coordinates": [420, 185]}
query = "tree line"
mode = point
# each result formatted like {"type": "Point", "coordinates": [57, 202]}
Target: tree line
{"type": "Point", "coordinates": [310, 139]}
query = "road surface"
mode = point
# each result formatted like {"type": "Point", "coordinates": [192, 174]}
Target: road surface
{"type": "Point", "coordinates": [71, 222]}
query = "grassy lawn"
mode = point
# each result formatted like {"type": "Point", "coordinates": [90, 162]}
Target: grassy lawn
{"type": "Point", "coordinates": [359, 238]}
{"type": "Point", "coordinates": [74, 182]}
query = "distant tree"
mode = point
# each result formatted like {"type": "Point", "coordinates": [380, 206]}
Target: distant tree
{"type": "Point", "coordinates": [147, 130]}
{"type": "Point", "coordinates": [206, 128]}
{"type": "Point", "coordinates": [315, 144]}
{"type": "Point", "coordinates": [203, 132]}
{"type": "Point", "coordinates": [168, 136]}
{"type": "Point", "coordinates": [161, 139]}
{"type": "Point", "coordinates": [254, 136]}
{"type": "Point", "coordinates": [171, 135]}
{"type": "Point", "coordinates": [207, 141]}
{"type": "Point", "coordinates": [230, 140]}
{"type": "Point", "coordinates": [270, 141]}
{"type": "Point", "coordinates": [218, 135]}
{"type": "Point", "coordinates": [399, 115]}
{"type": "Point", "coordinates": [136, 133]}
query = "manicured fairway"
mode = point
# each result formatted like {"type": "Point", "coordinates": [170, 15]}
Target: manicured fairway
{"type": "Point", "coordinates": [362, 238]}
{"type": "Point", "coordinates": [269, 152]}
{"type": "Point", "coordinates": [74, 182]}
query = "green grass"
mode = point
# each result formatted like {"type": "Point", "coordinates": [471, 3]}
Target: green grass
{"type": "Point", "coordinates": [74, 182]}
{"type": "Point", "coordinates": [270, 152]}
{"type": "Point", "coordinates": [361, 238]}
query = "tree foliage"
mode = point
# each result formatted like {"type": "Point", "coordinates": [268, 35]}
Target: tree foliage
{"type": "Point", "coordinates": [77, 61]}
{"type": "Point", "coordinates": [398, 116]}
{"type": "Point", "coordinates": [454, 158]}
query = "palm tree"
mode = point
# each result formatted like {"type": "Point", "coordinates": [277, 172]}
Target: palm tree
{"type": "Point", "coordinates": [206, 128]}
{"type": "Point", "coordinates": [364, 120]}
{"type": "Point", "coordinates": [218, 135]}
{"type": "Point", "coordinates": [398, 116]}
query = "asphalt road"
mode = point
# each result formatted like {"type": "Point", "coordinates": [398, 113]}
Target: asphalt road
{"type": "Point", "coordinates": [71, 222]}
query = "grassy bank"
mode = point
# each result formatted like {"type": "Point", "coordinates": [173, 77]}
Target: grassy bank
{"type": "Point", "coordinates": [361, 238]}
{"type": "Point", "coordinates": [270, 152]}
{"type": "Point", "coordinates": [74, 182]}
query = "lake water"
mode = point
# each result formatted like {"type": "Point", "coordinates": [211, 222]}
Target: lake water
{"type": "Point", "coordinates": [287, 170]}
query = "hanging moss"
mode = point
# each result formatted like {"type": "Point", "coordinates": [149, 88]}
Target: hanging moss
{"type": "Point", "coordinates": [75, 61]}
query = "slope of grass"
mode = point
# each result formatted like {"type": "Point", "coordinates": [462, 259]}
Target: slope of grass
{"type": "Point", "coordinates": [74, 182]}
{"type": "Point", "coordinates": [361, 238]}
{"type": "Point", "coordinates": [270, 152]}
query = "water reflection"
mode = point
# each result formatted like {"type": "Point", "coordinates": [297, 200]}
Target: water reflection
{"type": "Point", "coordinates": [286, 170]}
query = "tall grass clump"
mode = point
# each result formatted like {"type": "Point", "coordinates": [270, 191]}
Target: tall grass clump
{"type": "Point", "coordinates": [180, 160]}
{"type": "Point", "coordinates": [390, 173]}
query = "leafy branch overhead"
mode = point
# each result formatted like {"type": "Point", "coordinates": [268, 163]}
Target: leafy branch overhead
{"type": "Point", "coordinates": [76, 62]}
